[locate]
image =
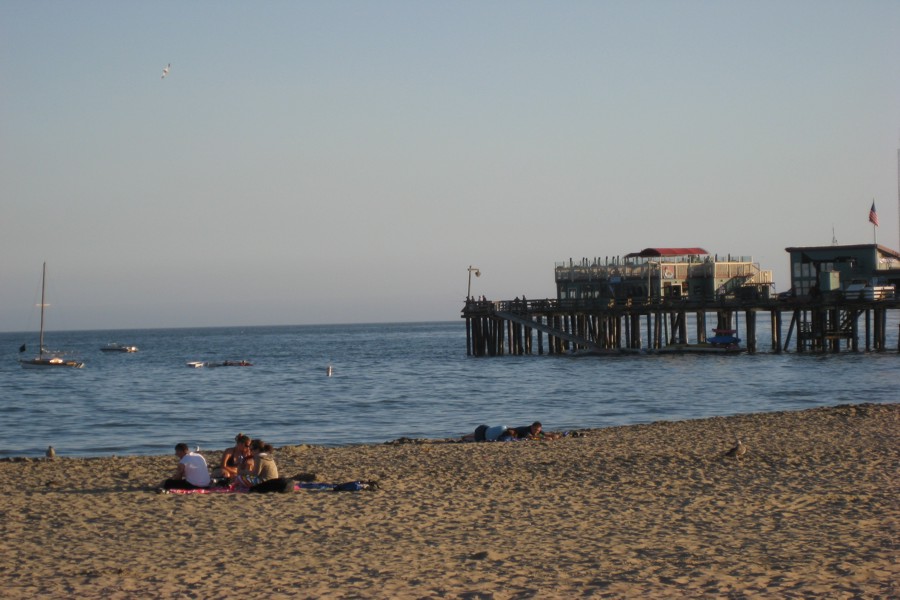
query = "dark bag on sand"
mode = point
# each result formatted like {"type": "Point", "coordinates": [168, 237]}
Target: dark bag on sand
{"type": "Point", "coordinates": [279, 485]}
{"type": "Point", "coordinates": [479, 433]}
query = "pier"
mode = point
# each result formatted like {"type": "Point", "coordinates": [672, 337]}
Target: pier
{"type": "Point", "coordinates": [552, 326]}
{"type": "Point", "coordinates": [667, 299]}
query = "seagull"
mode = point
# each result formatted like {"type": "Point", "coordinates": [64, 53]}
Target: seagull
{"type": "Point", "coordinates": [166, 70]}
{"type": "Point", "coordinates": [738, 451]}
{"type": "Point", "coordinates": [51, 453]}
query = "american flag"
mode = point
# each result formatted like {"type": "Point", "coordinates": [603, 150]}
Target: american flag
{"type": "Point", "coordinates": [873, 216]}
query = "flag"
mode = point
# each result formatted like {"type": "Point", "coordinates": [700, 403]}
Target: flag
{"type": "Point", "coordinates": [873, 216]}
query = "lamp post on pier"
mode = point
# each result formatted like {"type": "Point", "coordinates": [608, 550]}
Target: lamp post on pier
{"type": "Point", "coordinates": [477, 272]}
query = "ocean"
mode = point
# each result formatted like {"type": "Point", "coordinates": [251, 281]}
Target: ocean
{"type": "Point", "coordinates": [388, 381]}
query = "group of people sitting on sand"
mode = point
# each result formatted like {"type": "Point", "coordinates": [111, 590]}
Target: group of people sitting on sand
{"type": "Point", "coordinates": [248, 465]}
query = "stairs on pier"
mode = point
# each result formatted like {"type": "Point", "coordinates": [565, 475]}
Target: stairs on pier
{"type": "Point", "coordinates": [559, 333]}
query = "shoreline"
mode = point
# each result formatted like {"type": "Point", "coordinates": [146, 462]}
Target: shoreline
{"type": "Point", "coordinates": [625, 511]}
{"type": "Point", "coordinates": [206, 451]}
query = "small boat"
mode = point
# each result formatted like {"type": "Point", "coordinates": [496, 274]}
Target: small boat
{"type": "Point", "coordinates": [199, 364]}
{"type": "Point", "coordinates": [44, 358]}
{"type": "Point", "coordinates": [723, 342]}
{"type": "Point", "coordinates": [39, 362]}
{"type": "Point", "coordinates": [724, 338]}
{"type": "Point", "coordinates": [118, 348]}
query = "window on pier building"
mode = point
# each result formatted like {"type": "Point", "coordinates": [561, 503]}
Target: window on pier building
{"type": "Point", "coordinates": [804, 277]}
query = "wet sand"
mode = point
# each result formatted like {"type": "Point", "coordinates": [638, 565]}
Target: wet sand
{"type": "Point", "coordinates": [641, 511]}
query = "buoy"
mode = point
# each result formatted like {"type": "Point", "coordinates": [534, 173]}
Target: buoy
{"type": "Point", "coordinates": [329, 370]}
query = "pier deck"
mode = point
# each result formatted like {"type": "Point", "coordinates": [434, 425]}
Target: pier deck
{"type": "Point", "coordinates": [823, 324]}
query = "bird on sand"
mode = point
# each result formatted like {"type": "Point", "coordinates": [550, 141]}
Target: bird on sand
{"type": "Point", "coordinates": [738, 451]}
{"type": "Point", "coordinates": [51, 453]}
{"type": "Point", "coordinates": [166, 70]}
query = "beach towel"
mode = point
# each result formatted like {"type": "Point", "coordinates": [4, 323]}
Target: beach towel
{"type": "Point", "coordinates": [210, 490]}
{"type": "Point", "coordinates": [349, 486]}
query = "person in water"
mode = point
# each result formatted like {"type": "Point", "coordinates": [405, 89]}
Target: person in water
{"type": "Point", "coordinates": [192, 471]}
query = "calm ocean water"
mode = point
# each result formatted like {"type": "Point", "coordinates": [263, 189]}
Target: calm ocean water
{"type": "Point", "coordinates": [389, 381]}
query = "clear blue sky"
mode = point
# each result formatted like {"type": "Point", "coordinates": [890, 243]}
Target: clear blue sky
{"type": "Point", "coordinates": [335, 162]}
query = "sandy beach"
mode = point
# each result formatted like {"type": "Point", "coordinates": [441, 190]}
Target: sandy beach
{"type": "Point", "coordinates": [652, 510]}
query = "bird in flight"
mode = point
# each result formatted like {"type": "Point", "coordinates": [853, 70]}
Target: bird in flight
{"type": "Point", "coordinates": [166, 70]}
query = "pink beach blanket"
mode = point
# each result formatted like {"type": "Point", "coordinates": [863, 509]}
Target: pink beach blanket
{"type": "Point", "coordinates": [233, 489]}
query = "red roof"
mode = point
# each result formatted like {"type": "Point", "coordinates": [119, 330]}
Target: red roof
{"type": "Point", "coordinates": [658, 252]}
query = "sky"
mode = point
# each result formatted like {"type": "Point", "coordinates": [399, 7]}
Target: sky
{"type": "Point", "coordinates": [345, 162]}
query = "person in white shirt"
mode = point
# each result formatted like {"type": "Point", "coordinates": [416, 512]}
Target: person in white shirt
{"type": "Point", "coordinates": [192, 471]}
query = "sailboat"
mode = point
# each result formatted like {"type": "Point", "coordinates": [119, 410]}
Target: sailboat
{"type": "Point", "coordinates": [46, 360]}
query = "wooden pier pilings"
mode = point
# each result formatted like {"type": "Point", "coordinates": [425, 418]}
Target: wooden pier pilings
{"type": "Point", "coordinates": [519, 327]}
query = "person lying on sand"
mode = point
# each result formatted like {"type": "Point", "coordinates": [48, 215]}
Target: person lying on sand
{"type": "Point", "coordinates": [535, 431]}
{"type": "Point", "coordinates": [192, 471]}
{"type": "Point", "coordinates": [485, 433]}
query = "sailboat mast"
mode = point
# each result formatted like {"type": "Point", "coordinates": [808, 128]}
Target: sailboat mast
{"type": "Point", "coordinates": [43, 287]}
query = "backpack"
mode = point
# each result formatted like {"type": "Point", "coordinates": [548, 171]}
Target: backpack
{"type": "Point", "coordinates": [279, 485]}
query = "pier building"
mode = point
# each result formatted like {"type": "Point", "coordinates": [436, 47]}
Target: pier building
{"type": "Point", "coordinates": [656, 273]}
{"type": "Point", "coordinates": [827, 269]}
{"type": "Point", "coordinates": [667, 299]}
